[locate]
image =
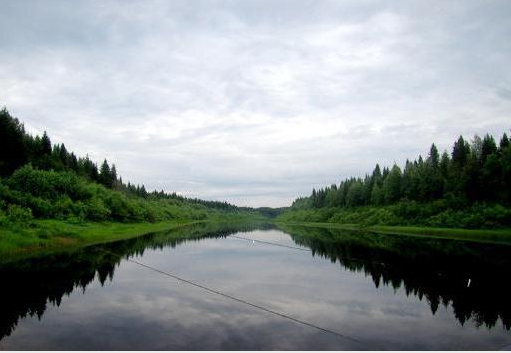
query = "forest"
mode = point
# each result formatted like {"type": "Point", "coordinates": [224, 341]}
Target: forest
{"type": "Point", "coordinates": [46, 181]}
{"type": "Point", "coordinates": [468, 188]}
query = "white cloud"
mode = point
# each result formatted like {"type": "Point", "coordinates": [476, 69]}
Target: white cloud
{"type": "Point", "coordinates": [255, 102]}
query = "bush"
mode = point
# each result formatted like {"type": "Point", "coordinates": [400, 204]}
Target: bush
{"type": "Point", "coordinates": [19, 215]}
{"type": "Point", "coordinates": [382, 216]}
{"type": "Point", "coordinates": [120, 209]}
{"type": "Point", "coordinates": [3, 218]}
{"type": "Point", "coordinates": [433, 214]}
{"type": "Point", "coordinates": [66, 195]}
{"type": "Point", "coordinates": [496, 216]}
{"type": "Point", "coordinates": [63, 208]}
{"type": "Point", "coordinates": [48, 184]}
{"type": "Point", "coordinates": [41, 208]}
{"type": "Point", "coordinates": [96, 210]}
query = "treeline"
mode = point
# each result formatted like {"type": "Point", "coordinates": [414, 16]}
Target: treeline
{"type": "Point", "coordinates": [474, 177]}
{"type": "Point", "coordinates": [20, 148]}
{"type": "Point", "coordinates": [43, 180]}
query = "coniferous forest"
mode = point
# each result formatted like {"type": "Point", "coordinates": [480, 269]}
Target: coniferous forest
{"type": "Point", "coordinates": [470, 187]}
{"type": "Point", "coordinates": [44, 180]}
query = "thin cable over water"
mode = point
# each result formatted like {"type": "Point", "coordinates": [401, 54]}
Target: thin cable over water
{"type": "Point", "coordinates": [308, 250]}
{"type": "Point", "coordinates": [214, 291]}
{"type": "Point", "coordinates": [270, 243]}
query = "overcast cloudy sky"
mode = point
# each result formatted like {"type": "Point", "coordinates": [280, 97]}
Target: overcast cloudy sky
{"type": "Point", "coordinates": [255, 102]}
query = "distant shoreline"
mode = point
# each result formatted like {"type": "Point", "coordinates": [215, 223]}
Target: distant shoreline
{"type": "Point", "coordinates": [49, 236]}
{"type": "Point", "coordinates": [493, 236]}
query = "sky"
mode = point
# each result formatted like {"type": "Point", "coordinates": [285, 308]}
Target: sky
{"type": "Point", "coordinates": [255, 102]}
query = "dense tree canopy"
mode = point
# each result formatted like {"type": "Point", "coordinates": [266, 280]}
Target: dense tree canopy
{"type": "Point", "coordinates": [45, 180]}
{"type": "Point", "coordinates": [477, 172]}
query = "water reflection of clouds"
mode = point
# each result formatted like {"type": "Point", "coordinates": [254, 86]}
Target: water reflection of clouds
{"type": "Point", "coordinates": [142, 309]}
{"type": "Point", "coordinates": [321, 291]}
{"type": "Point", "coordinates": [194, 320]}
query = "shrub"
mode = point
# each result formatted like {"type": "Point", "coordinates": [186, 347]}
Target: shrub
{"type": "Point", "coordinates": [382, 216]}
{"type": "Point", "coordinates": [40, 207]}
{"type": "Point", "coordinates": [18, 214]}
{"type": "Point", "coordinates": [3, 218]}
{"type": "Point", "coordinates": [96, 210]}
{"type": "Point", "coordinates": [63, 208]}
{"type": "Point", "coordinates": [119, 207]}
{"type": "Point", "coordinates": [496, 216]}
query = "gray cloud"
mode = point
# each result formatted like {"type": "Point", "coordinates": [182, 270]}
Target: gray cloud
{"type": "Point", "coordinates": [255, 102]}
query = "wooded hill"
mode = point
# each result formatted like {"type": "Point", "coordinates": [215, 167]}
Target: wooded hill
{"type": "Point", "coordinates": [470, 187]}
{"type": "Point", "coordinates": [45, 180]}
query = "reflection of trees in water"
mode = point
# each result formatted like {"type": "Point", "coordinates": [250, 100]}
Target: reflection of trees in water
{"type": "Point", "coordinates": [28, 290]}
{"type": "Point", "coordinates": [30, 285]}
{"type": "Point", "coordinates": [436, 270]}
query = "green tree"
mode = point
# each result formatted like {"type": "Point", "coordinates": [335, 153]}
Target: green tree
{"type": "Point", "coordinates": [491, 178]}
{"type": "Point", "coordinates": [376, 195]}
{"type": "Point", "coordinates": [410, 181]}
{"type": "Point", "coordinates": [43, 153]}
{"type": "Point", "coordinates": [105, 176]}
{"type": "Point", "coordinates": [504, 142]}
{"type": "Point", "coordinates": [113, 176]}
{"type": "Point", "coordinates": [331, 198]}
{"type": "Point", "coordinates": [444, 164]}
{"type": "Point", "coordinates": [355, 196]}
{"type": "Point", "coordinates": [434, 157]}
{"type": "Point", "coordinates": [460, 153]}
{"type": "Point", "coordinates": [431, 178]}
{"type": "Point", "coordinates": [45, 148]}
{"type": "Point", "coordinates": [63, 155]}
{"type": "Point", "coordinates": [392, 185]}
{"type": "Point", "coordinates": [505, 161]}
{"type": "Point", "coordinates": [13, 150]}
{"type": "Point", "coordinates": [488, 147]}
{"type": "Point", "coordinates": [143, 191]}
{"type": "Point", "coordinates": [73, 162]}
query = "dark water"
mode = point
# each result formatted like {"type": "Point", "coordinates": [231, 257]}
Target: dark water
{"type": "Point", "coordinates": [375, 291]}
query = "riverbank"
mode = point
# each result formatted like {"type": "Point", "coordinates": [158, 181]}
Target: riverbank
{"type": "Point", "coordinates": [46, 236]}
{"type": "Point", "coordinates": [54, 235]}
{"type": "Point", "coordinates": [496, 236]}
{"type": "Point", "coordinates": [437, 214]}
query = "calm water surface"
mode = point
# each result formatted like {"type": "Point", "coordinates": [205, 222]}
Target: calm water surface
{"type": "Point", "coordinates": [378, 292]}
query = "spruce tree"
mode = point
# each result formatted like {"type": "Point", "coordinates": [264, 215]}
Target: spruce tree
{"type": "Point", "coordinates": [504, 142]}
{"type": "Point", "coordinates": [460, 152]}
{"type": "Point", "coordinates": [13, 149]}
{"type": "Point", "coordinates": [73, 162]}
{"type": "Point", "coordinates": [143, 191]}
{"type": "Point", "coordinates": [63, 155]}
{"type": "Point", "coordinates": [433, 158]}
{"type": "Point", "coordinates": [444, 164]}
{"type": "Point", "coordinates": [113, 175]}
{"type": "Point", "coordinates": [488, 147]}
{"type": "Point", "coordinates": [392, 185]}
{"type": "Point", "coordinates": [376, 195]}
{"type": "Point", "coordinates": [104, 174]}
{"type": "Point", "coordinates": [45, 144]}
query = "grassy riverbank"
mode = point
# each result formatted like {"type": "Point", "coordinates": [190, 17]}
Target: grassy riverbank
{"type": "Point", "coordinates": [44, 236]}
{"type": "Point", "coordinates": [499, 236]}
{"type": "Point", "coordinates": [53, 235]}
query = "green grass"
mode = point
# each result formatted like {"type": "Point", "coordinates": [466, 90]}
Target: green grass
{"type": "Point", "coordinates": [53, 235]}
{"type": "Point", "coordinates": [45, 236]}
{"type": "Point", "coordinates": [498, 236]}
